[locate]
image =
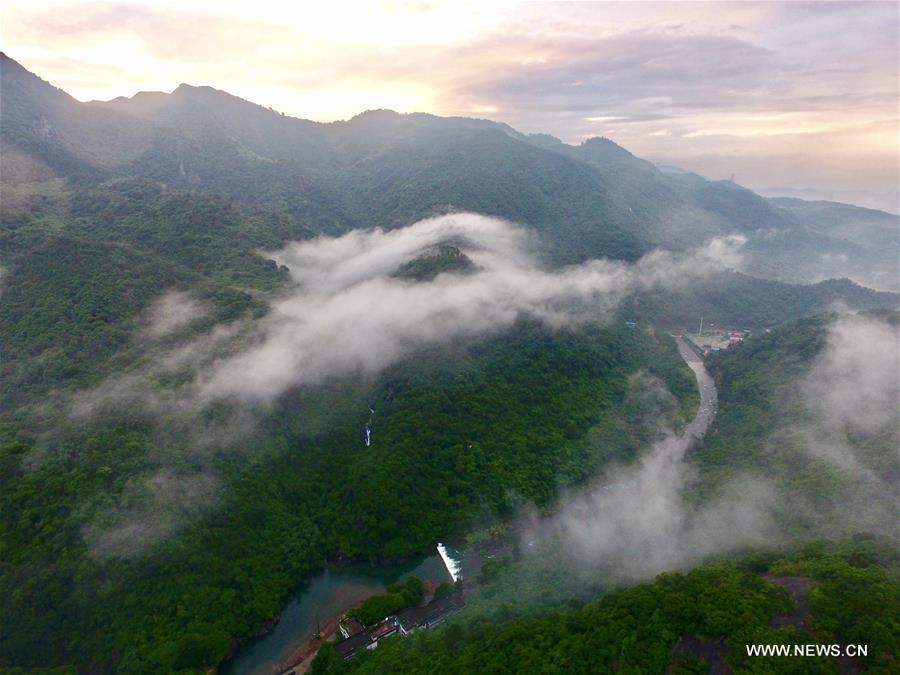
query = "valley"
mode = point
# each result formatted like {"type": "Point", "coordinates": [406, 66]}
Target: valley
{"type": "Point", "coordinates": [576, 616]}
{"type": "Point", "coordinates": [328, 593]}
{"type": "Point", "coordinates": [256, 366]}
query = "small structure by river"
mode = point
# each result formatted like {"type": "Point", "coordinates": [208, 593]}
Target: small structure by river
{"type": "Point", "coordinates": [331, 593]}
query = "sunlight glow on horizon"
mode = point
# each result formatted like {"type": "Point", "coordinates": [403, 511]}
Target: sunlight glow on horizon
{"type": "Point", "coordinates": [718, 87]}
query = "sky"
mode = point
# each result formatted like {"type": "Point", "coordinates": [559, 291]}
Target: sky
{"type": "Point", "coordinates": [789, 98]}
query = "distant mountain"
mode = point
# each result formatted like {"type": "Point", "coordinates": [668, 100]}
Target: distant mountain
{"type": "Point", "coordinates": [737, 300]}
{"type": "Point", "coordinates": [384, 168]}
{"type": "Point", "coordinates": [195, 182]}
{"type": "Point", "coordinates": [882, 201]}
{"type": "Point", "coordinates": [52, 127]}
{"type": "Point", "coordinates": [146, 537]}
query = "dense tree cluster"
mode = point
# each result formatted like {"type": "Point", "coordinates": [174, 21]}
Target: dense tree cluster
{"type": "Point", "coordinates": [105, 207]}
{"type": "Point", "coordinates": [407, 593]}
{"type": "Point", "coordinates": [735, 300]}
{"type": "Point", "coordinates": [763, 406]}
{"type": "Point", "coordinates": [460, 435]}
{"type": "Point", "coordinates": [443, 258]}
{"type": "Point", "coordinates": [679, 623]}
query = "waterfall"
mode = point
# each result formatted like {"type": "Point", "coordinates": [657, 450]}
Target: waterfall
{"type": "Point", "coordinates": [368, 432]}
{"type": "Point", "coordinates": [452, 565]}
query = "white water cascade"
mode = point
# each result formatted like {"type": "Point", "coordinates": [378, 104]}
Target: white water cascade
{"type": "Point", "coordinates": [452, 565]}
{"type": "Point", "coordinates": [368, 432]}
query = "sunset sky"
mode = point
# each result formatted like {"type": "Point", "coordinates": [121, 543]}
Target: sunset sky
{"type": "Point", "coordinates": [793, 96]}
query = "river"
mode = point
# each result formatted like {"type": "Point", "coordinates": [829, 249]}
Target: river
{"type": "Point", "coordinates": [331, 592]}
{"type": "Point", "coordinates": [320, 598]}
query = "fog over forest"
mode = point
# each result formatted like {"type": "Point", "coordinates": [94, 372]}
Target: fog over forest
{"type": "Point", "coordinates": [572, 403]}
{"type": "Point", "coordinates": [346, 316]}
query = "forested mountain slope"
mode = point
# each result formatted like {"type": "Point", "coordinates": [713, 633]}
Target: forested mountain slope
{"type": "Point", "coordinates": [808, 411]}
{"type": "Point", "coordinates": [132, 541]}
{"type": "Point", "coordinates": [382, 168]}
{"type": "Point", "coordinates": [812, 407]}
{"type": "Point", "coordinates": [695, 622]}
{"type": "Point", "coordinates": [459, 437]}
{"type": "Point", "coordinates": [733, 299]}
{"type": "Point", "coordinates": [197, 181]}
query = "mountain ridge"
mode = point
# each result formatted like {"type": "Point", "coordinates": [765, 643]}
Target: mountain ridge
{"type": "Point", "coordinates": [145, 529]}
{"type": "Point", "coordinates": [383, 168]}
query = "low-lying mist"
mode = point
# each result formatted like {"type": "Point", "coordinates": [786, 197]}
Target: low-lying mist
{"type": "Point", "coordinates": [846, 420]}
{"type": "Point", "coordinates": [842, 425]}
{"type": "Point", "coordinates": [638, 520]}
{"type": "Point", "coordinates": [346, 316]}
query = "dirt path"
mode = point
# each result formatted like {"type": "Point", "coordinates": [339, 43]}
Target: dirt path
{"type": "Point", "coordinates": [301, 658]}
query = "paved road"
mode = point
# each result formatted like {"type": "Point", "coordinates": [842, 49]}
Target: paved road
{"type": "Point", "coordinates": [708, 395]}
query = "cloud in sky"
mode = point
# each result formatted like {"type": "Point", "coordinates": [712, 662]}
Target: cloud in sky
{"type": "Point", "coordinates": [795, 95]}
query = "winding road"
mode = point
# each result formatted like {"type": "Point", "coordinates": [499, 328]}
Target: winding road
{"type": "Point", "coordinates": [708, 395]}
{"type": "Point", "coordinates": [330, 593]}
